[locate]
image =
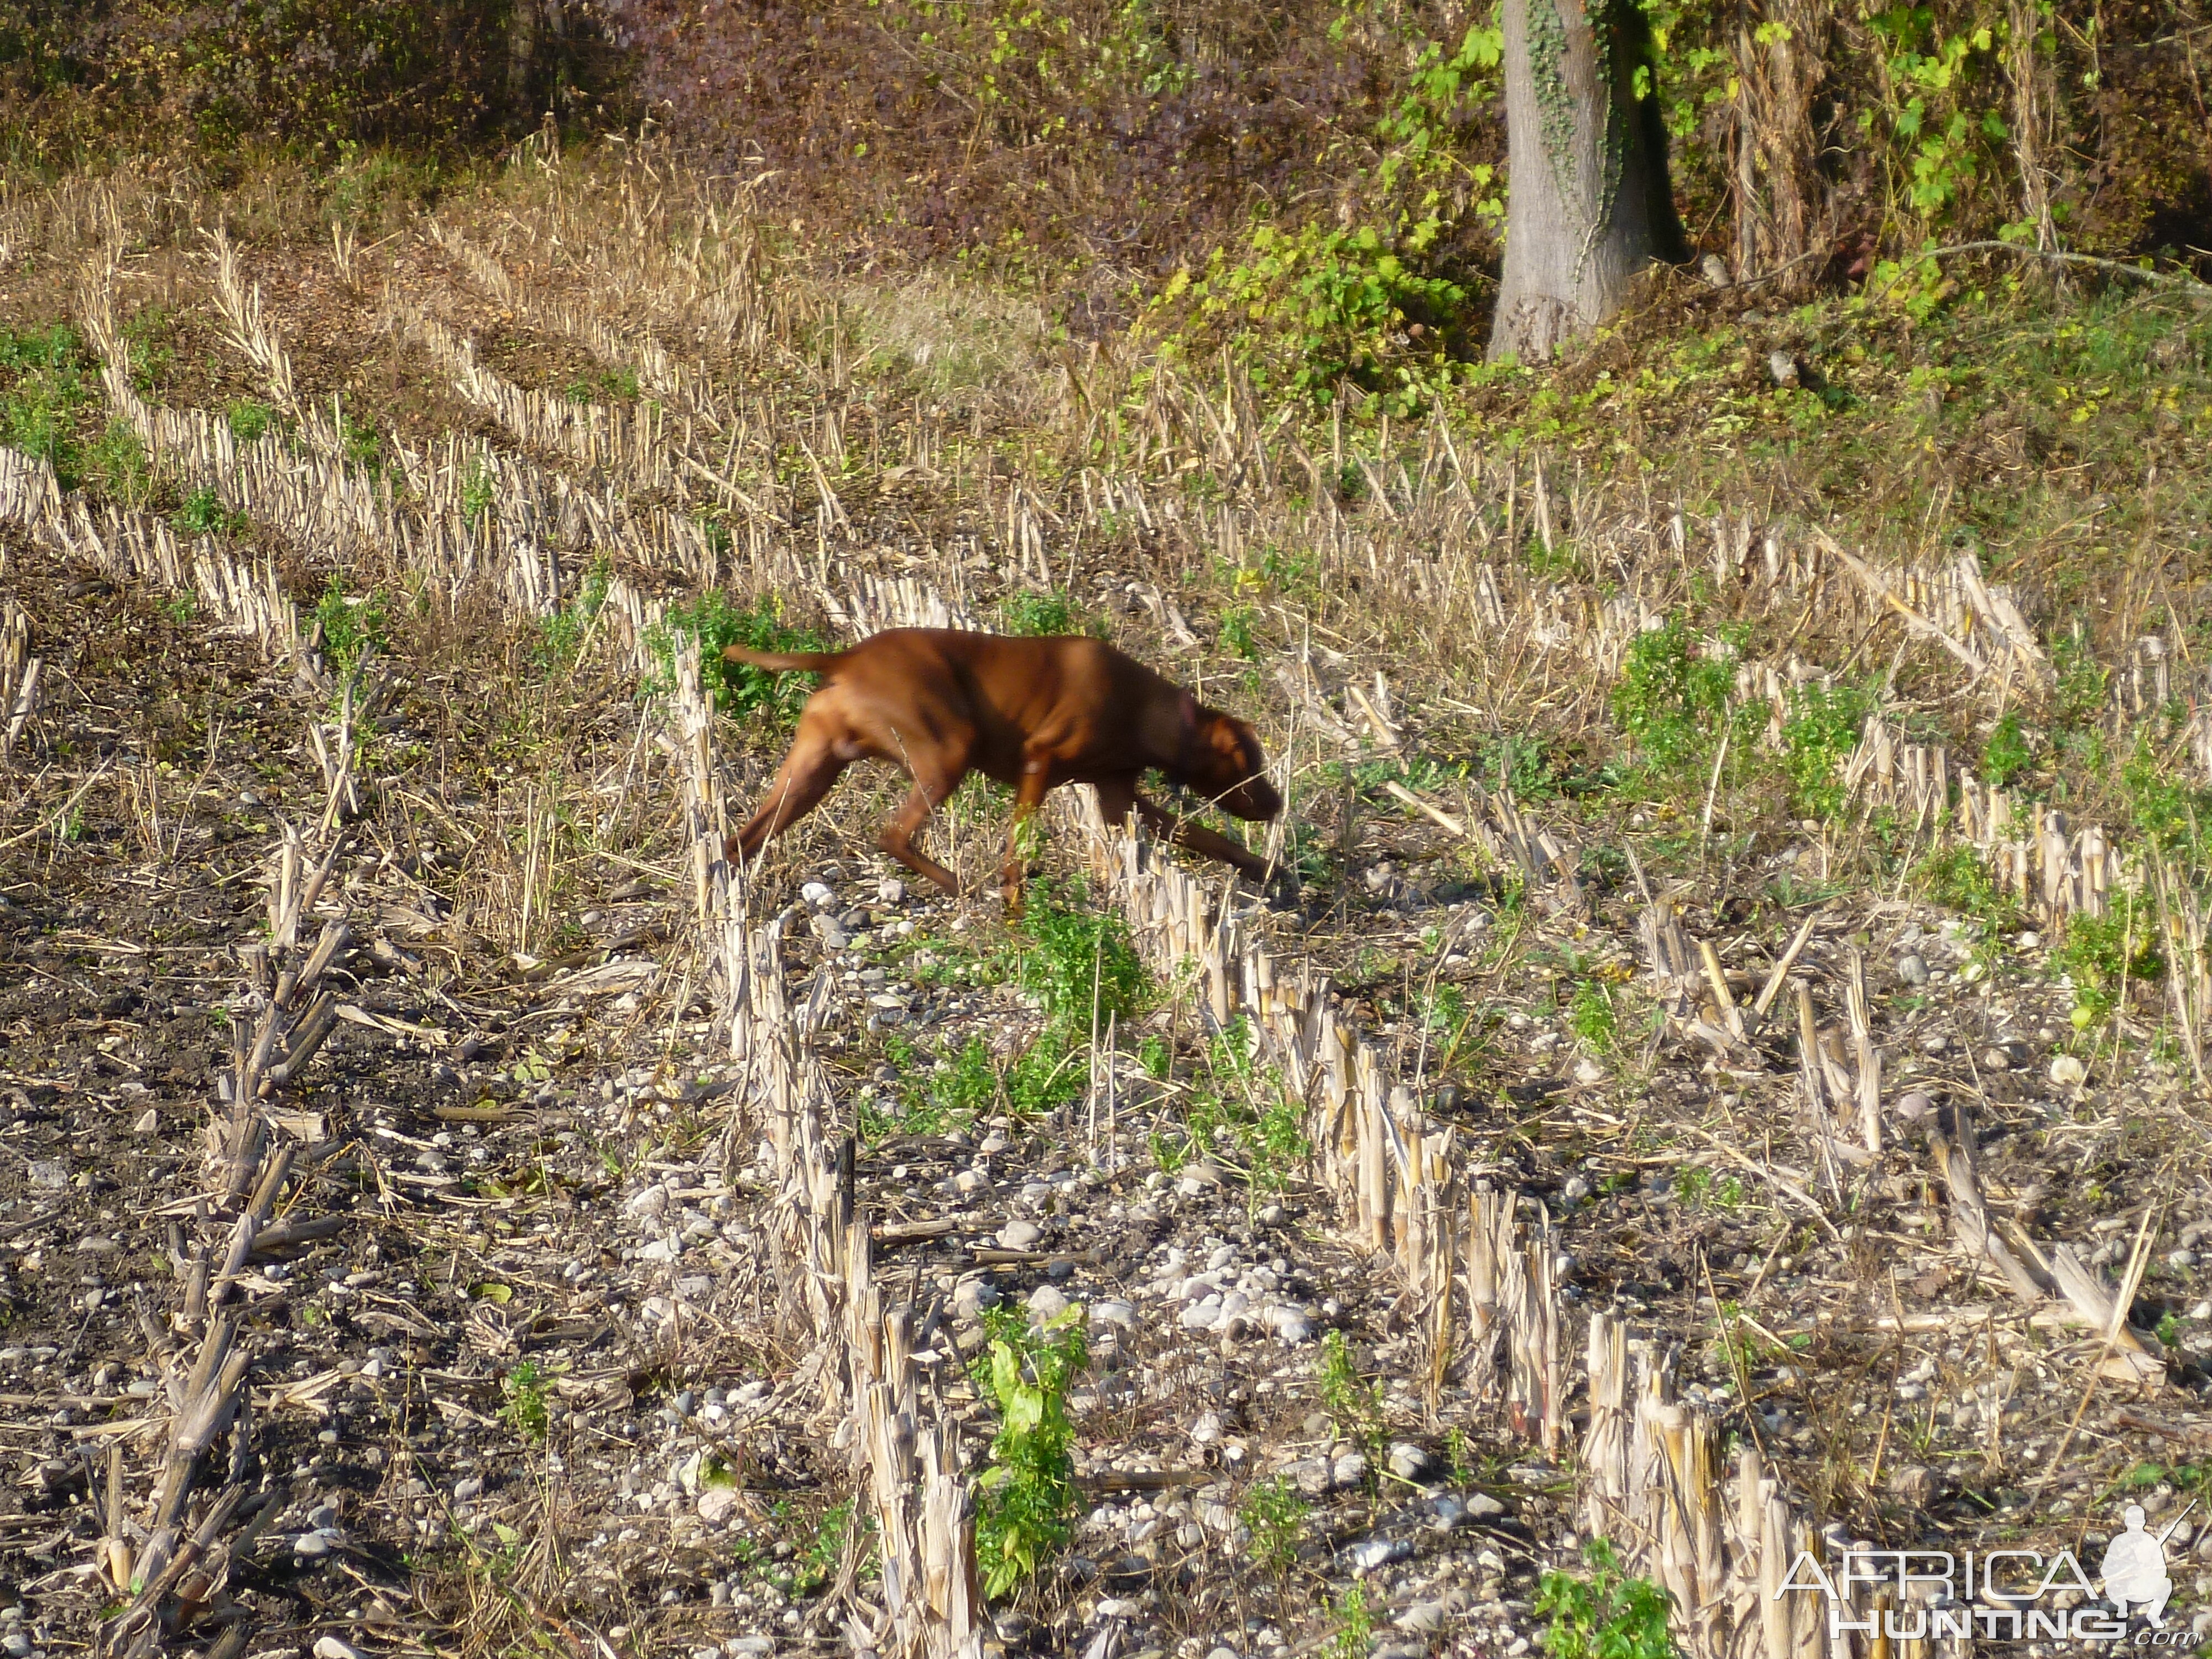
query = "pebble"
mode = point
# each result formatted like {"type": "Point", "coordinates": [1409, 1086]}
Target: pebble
{"type": "Point", "coordinates": [1311, 1475]}
{"type": "Point", "coordinates": [2068, 1072]}
{"type": "Point", "coordinates": [464, 1491]}
{"type": "Point", "coordinates": [329, 1647]}
{"type": "Point", "coordinates": [1481, 1506]}
{"type": "Point", "coordinates": [1349, 1470]}
{"type": "Point", "coordinates": [1370, 1553]}
{"type": "Point", "coordinates": [1587, 1071]}
{"type": "Point", "coordinates": [1019, 1235]}
{"type": "Point", "coordinates": [1914, 1106]}
{"type": "Point", "coordinates": [1449, 1513]}
{"type": "Point", "coordinates": [817, 894]}
{"type": "Point", "coordinates": [826, 929]}
{"type": "Point", "coordinates": [1409, 1463]}
{"type": "Point", "coordinates": [1207, 1430]}
{"type": "Point", "coordinates": [1424, 1618]}
{"type": "Point", "coordinates": [1046, 1304]}
{"type": "Point", "coordinates": [1996, 1060]}
{"type": "Point", "coordinates": [1111, 1310]}
{"type": "Point", "coordinates": [308, 1545]}
{"type": "Point", "coordinates": [1911, 969]}
{"type": "Point", "coordinates": [890, 891]}
{"type": "Point", "coordinates": [750, 1647]}
{"type": "Point", "coordinates": [715, 1505]}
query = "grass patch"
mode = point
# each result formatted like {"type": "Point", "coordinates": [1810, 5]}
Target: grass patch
{"type": "Point", "coordinates": [1026, 1500]}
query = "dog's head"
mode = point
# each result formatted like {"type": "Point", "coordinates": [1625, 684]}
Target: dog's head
{"type": "Point", "coordinates": [1227, 766]}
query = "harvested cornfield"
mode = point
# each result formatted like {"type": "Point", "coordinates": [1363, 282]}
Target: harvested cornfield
{"type": "Point", "coordinates": [1704, 1077]}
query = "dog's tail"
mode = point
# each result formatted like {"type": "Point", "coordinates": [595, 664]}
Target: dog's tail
{"type": "Point", "coordinates": [780, 660]}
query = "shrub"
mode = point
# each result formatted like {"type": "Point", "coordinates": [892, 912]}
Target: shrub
{"type": "Point", "coordinates": [1080, 962]}
{"type": "Point", "coordinates": [46, 389]}
{"type": "Point", "coordinates": [2005, 757]}
{"type": "Point", "coordinates": [2101, 953]}
{"type": "Point", "coordinates": [1026, 1500]}
{"type": "Point", "coordinates": [1607, 1615]}
{"type": "Point", "coordinates": [1275, 1515]}
{"type": "Point", "coordinates": [738, 688]}
{"type": "Point", "coordinates": [350, 628]}
{"type": "Point", "coordinates": [1671, 700]}
{"type": "Point", "coordinates": [1818, 738]}
{"type": "Point", "coordinates": [1031, 612]}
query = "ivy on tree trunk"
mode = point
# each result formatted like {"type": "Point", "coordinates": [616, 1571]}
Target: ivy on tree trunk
{"type": "Point", "coordinates": [1590, 205]}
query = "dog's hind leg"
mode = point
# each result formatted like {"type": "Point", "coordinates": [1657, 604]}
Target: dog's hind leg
{"type": "Point", "coordinates": [931, 784]}
{"type": "Point", "coordinates": [806, 775]}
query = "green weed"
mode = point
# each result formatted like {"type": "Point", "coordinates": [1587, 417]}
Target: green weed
{"type": "Point", "coordinates": [1817, 738]}
{"type": "Point", "coordinates": [561, 635]}
{"type": "Point", "coordinates": [350, 628]}
{"type": "Point", "coordinates": [1156, 1057]}
{"type": "Point", "coordinates": [1672, 701]}
{"type": "Point", "coordinates": [203, 513]}
{"type": "Point", "coordinates": [1274, 1512]}
{"type": "Point", "coordinates": [1080, 962]}
{"type": "Point", "coordinates": [1607, 1615]}
{"type": "Point", "coordinates": [2005, 757]}
{"type": "Point", "coordinates": [249, 419]}
{"type": "Point", "coordinates": [1354, 1404]}
{"type": "Point", "coordinates": [46, 389]}
{"type": "Point", "coordinates": [523, 1390]}
{"type": "Point", "coordinates": [1027, 1499]}
{"type": "Point", "coordinates": [1355, 1625]}
{"type": "Point", "coordinates": [1592, 1017]}
{"type": "Point", "coordinates": [738, 688]}
{"type": "Point", "coordinates": [1236, 632]}
{"type": "Point", "coordinates": [115, 462]}
{"type": "Point", "coordinates": [1032, 612]}
{"type": "Point", "coordinates": [2101, 953]}
{"type": "Point", "coordinates": [1956, 879]}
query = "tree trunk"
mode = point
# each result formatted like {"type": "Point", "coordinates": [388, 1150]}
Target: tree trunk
{"type": "Point", "coordinates": [1590, 205]}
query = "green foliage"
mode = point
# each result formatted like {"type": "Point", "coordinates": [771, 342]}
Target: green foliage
{"type": "Point", "coordinates": [2102, 954]}
{"type": "Point", "coordinates": [2169, 812]}
{"type": "Point", "coordinates": [43, 370]}
{"type": "Point", "coordinates": [1312, 307]}
{"type": "Point", "coordinates": [1355, 1625]}
{"type": "Point", "coordinates": [1156, 1057]}
{"type": "Point", "coordinates": [1026, 1500]}
{"type": "Point", "coordinates": [1592, 1017]}
{"type": "Point", "coordinates": [150, 357]}
{"type": "Point", "coordinates": [249, 419]}
{"type": "Point", "coordinates": [1606, 1616]}
{"type": "Point", "coordinates": [1028, 611]}
{"type": "Point", "coordinates": [1672, 701]}
{"type": "Point", "coordinates": [1050, 1073]}
{"type": "Point", "coordinates": [1236, 632]}
{"type": "Point", "coordinates": [1957, 879]}
{"type": "Point", "coordinates": [2005, 757]}
{"type": "Point", "coordinates": [523, 1390]}
{"type": "Point", "coordinates": [203, 513]}
{"type": "Point", "coordinates": [1818, 738]}
{"type": "Point", "coordinates": [350, 628]}
{"type": "Point", "coordinates": [738, 688]}
{"type": "Point", "coordinates": [561, 635]}
{"type": "Point", "coordinates": [1080, 961]}
{"type": "Point", "coordinates": [479, 491]}
{"type": "Point", "coordinates": [115, 462]}
{"type": "Point", "coordinates": [360, 446]}
{"type": "Point", "coordinates": [619, 384]}
{"type": "Point", "coordinates": [1353, 1403]}
{"type": "Point", "coordinates": [1274, 1512]}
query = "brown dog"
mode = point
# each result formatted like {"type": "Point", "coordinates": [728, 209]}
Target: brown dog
{"type": "Point", "coordinates": [941, 703]}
